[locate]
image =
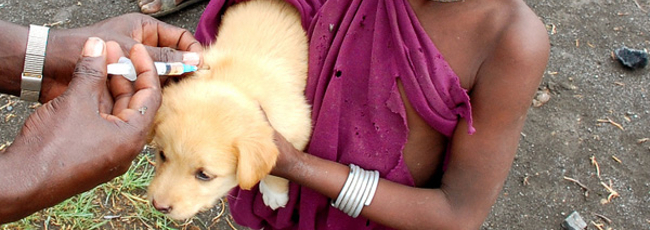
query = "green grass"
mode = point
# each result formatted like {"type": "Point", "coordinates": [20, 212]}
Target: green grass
{"type": "Point", "coordinates": [118, 204]}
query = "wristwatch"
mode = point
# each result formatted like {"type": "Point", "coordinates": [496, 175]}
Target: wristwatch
{"type": "Point", "coordinates": [30, 85]}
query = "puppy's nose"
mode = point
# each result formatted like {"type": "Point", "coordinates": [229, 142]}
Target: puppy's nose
{"type": "Point", "coordinates": [161, 208]}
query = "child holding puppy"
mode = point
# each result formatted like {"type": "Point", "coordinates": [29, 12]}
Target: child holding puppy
{"type": "Point", "coordinates": [430, 95]}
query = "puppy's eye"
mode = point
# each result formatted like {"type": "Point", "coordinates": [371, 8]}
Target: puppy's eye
{"type": "Point", "coordinates": [162, 156]}
{"type": "Point", "coordinates": [202, 176]}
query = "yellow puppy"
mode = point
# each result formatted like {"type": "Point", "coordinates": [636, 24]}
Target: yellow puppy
{"type": "Point", "coordinates": [211, 130]}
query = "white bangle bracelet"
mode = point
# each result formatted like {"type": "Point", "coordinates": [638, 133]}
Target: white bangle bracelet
{"type": "Point", "coordinates": [366, 193]}
{"type": "Point", "coordinates": [358, 191]}
{"type": "Point", "coordinates": [353, 187]}
{"type": "Point", "coordinates": [375, 183]}
{"type": "Point", "coordinates": [359, 201]}
{"type": "Point", "coordinates": [355, 198]}
{"type": "Point", "coordinates": [345, 188]}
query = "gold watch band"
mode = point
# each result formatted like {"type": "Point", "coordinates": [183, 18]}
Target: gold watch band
{"type": "Point", "coordinates": [32, 76]}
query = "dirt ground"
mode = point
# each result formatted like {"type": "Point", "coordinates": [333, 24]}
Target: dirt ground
{"type": "Point", "coordinates": [597, 110]}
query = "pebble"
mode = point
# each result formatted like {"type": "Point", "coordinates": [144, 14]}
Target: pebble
{"type": "Point", "coordinates": [541, 98]}
{"type": "Point", "coordinates": [632, 58]}
{"type": "Point", "coordinates": [574, 222]}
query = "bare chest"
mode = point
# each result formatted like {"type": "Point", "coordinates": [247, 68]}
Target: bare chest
{"type": "Point", "coordinates": [424, 149]}
{"type": "Point", "coordinates": [461, 31]}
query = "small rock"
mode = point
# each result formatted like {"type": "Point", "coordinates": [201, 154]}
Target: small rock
{"type": "Point", "coordinates": [574, 222]}
{"type": "Point", "coordinates": [632, 58]}
{"type": "Point", "coordinates": [631, 114]}
{"type": "Point", "coordinates": [541, 98]}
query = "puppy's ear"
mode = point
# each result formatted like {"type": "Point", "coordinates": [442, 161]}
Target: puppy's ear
{"type": "Point", "coordinates": [151, 134]}
{"type": "Point", "coordinates": [257, 157]}
{"type": "Point", "coordinates": [160, 116]}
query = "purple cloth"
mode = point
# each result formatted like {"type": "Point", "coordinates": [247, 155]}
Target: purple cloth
{"type": "Point", "coordinates": [357, 51]}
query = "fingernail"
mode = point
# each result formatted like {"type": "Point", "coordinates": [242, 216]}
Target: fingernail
{"type": "Point", "coordinates": [94, 47]}
{"type": "Point", "coordinates": [191, 58]}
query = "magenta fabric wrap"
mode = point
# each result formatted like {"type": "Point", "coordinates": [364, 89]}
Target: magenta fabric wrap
{"type": "Point", "coordinates": [357, 51]}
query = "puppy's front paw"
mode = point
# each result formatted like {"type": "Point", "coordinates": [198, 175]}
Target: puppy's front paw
{"type": "Point", "coordinates": [275, 192]}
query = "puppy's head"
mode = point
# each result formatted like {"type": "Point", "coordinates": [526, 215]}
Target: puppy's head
{"type": "Point", "coordinates": [210, 139]}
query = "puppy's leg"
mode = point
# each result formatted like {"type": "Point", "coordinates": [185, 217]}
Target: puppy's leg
{"type": "Point", "coordinates": [275, 191]}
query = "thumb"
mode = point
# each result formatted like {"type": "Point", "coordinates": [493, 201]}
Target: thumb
{"type": "Point", "coordinates": [89, 75]}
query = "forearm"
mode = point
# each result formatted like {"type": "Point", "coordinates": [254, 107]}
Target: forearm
{"type": "Point", "coordinates": [21, 183]}
{"type": "Point", "coordinates": [13, 41]}
{"type": "Point", "coordinates": [394, 205]}
{"type": "Point", "coordinates": [34, 177]}
{"type": "Point", "coordinates": [58, 61]}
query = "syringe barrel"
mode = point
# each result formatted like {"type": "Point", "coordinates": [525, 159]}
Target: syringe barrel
{"type": "Point", "coordinates": [169, 68]}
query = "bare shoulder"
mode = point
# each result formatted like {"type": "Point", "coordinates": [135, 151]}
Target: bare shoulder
{"type": "Point", "coordinates": [524, 32]}
{"type": "Point", "coordinates": [520, 43]}
{"type": "Point", "coordinates": [513, 68]}
{"type": "Point", "coordinates": [473, 34]}
{"type": "Point", "coordinates": [513, 30]}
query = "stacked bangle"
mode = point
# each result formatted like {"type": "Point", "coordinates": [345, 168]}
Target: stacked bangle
{"type": "Point", "coordinates": [358, 191]}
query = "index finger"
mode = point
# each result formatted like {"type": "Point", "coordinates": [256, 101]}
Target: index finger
{"type": "Point", "coordinates": [146, 100]}
{"type": "Point", "coordinates": [175, 37]}
{"type": "Point", "coordinates": [120, 87]}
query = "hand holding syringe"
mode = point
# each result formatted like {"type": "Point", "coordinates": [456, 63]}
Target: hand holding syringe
{"type": "Point", "coordinates": [124, 67]}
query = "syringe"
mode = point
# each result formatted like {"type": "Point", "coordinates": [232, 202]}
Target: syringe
{"type": "Point", "coordinates": [124, 67]}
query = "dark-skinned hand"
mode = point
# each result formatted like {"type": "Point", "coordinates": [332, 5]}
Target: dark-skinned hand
{"type": "Point", "coordinates": [164, 42]}
{"type": "Point", "coordinates": [80, 139]}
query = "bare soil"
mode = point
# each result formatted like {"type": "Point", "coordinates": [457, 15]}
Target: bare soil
{"type": "Point", "coordinates": [591, 134]}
